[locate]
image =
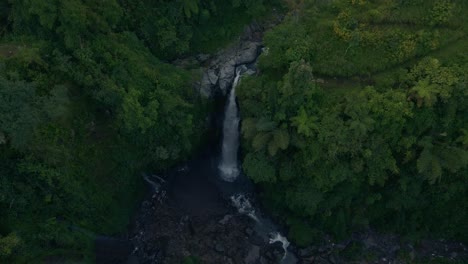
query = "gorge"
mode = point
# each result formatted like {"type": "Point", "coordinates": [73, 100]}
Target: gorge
{"type": "Point", "coordinates": [207, 188]}
{"type": "Point", "coordinates": [234, 131]}
{"type": "Point", "coordinates": [207, 210]}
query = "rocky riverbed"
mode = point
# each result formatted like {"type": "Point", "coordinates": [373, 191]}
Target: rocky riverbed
{"type": "Point", "coordinates": [167, 230]}
{"type": "Point", "coordinates": [167, 234]}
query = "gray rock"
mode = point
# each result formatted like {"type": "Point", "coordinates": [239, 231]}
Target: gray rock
{"type": "Point", "coordinates": [250, 72]}
{"type": "Point", "coordinates": [203, 57]}
{"type": "Point", "coordinates": [321, 260]}
{"type": "Point", "coordinates": [223, 69]}
{"type": "Point", "coordinates": [332, 258]}
{"type": "Point", "coordinates": [257, 240]}
{"type": "Point", "coordinates": [189, 62]}
{"type": "Point", "coordinates": [263, 260]}
{"type": "Point", "coordinates": [307, 252]}
{"type": "Point", "coordinates": [132, 260]}
{"type": "Point", "coordinates": [247, 53]}
{"type": "Point", "coordinates": [249, 231]}
{"type": "Point", "coordinates": [253, 255]}
{"type": "Point", "coordinates": [226, 76]}
{"type": "Point", "coordinates": [225, 219]}
{"type": "Point", "coordinates": [275, 252]}
{"type": "Point", "coordinates": [253, 32]}
{"type": "Point", "coordinates": [213, 76]}
{"type": "Point", "coordinates": [206, 86]}
{"type": "Point", "coordinates": [219, 248]}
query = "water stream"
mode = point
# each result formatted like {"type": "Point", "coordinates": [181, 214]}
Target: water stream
{"type": "Point", "coordinates": [229, 166]}
{"type": "Point", "coordinates": [230, 171]}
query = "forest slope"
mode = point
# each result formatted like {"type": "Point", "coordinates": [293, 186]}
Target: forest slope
{"type": "Point", "coordinates": [87, 103]}
{"type": "Point", "coordinates": [359, 119]}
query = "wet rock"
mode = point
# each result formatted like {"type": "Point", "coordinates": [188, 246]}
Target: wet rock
{"type": "Point", "coordinates": [206, 86]}
{"type": "Point", "coordinates": [253, 32]}
{"type": "Point", "coordinates": [132, 260]}
{"type": "Point", "coordinates": [334, 259]}
{"type": "Point", "coordinates": [186, 63]}
{"type": "Point", "coordinates": [321, 260]}
{"type": "Point", "coordinates": [253, 255]}
{"type": "Point", "coordinates": [201, 58]}
{"type": "Point", "coordinates": [247, 53]}
{"type": "Point", "coordinates": [274, 252]}
{"type": "Point", "coordinates": [226, 76]}
{"type": "Point", "coordinates": [307, 252]}
{"type": "Point", "coordinates": [250, 72]}
{"type": "Point", "coordinates": [225, 219]}
{"type": "Point", "coordinates": [263, 260]}
{"type": "Point", "coordinates": [219, 248]}
{"type": "Point", "coordinates": [249, 231]}
{"type": "Point", "coordinates": [212, 76]}
{"type": "Point", "coordinates": [325, 249]}
{"type": "Point", "coordinates": [257, 240]}
{"type": "Point", "coordinates": [221, 69]}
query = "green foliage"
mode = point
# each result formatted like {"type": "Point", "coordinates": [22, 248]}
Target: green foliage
{"type": "Point", "coordinates": [174, 28]}
{"type": "Point", "coordinates": [85, 106]}
{"type": "Point", "coordinates": [259, 168]}
{"type": "Point", "coordinates": [348, 38]}
{"type": "Point", "coordinates": [302, 233]}
{"type": "Point", "coordinates": [384, 147]}
{"type": "Point", "coordinates": [8, 245]}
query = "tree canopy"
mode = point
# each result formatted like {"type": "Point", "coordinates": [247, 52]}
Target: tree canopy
{"type": "Point", "coordinates": [87, 102]}
{"type": "Point", "coordinates": [358, 119]}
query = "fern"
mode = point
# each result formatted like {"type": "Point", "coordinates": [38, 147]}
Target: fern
{"type": "Point", "coordinates": [260, 141]}
{"type": "Point", "coordinates": [190, 7]}
{"type": "Point", "coordinates": [264, 124]}
{"type": "Point", "coordinates": [249, 129]}
{"type": "Point", "coordinates": [272, 148]}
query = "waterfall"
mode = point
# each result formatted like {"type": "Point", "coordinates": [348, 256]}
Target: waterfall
{"type": "Point", "coordinates": [229, 166]}
{"type": "Point", "coordinates": [230, 170]}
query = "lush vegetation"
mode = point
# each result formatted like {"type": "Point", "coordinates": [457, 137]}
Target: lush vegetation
{"type": "Point", "coordinates": [359, 118]}
{"type": "Point", "coordinates": [86, 104]}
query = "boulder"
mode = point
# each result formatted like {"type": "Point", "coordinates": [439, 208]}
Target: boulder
{"type": "Point", "coordinates": [219, 248]}
{"type": "Point", "coordinates": [226, 76]}
{"type": "Point", "coordinates": [247, 53]}
{"type": "Point", "coordinates": [206, 86]}
{"type": "Point", "coordinates": [213, 77]}
{"type": "Point", "coordinates": [201, 58]}
{"type": "Point", "coordinates": [253, 255]}
{"type": "Point", "coordinates": [307, 252]}
{"type": "Point", "coordinates": [249, 231]}
{"type": "Point", "coordinates": [257, 240]}
{"type": "Point", "coordinates": [222, 69]}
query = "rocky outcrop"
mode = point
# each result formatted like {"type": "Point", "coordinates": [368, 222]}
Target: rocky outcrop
{"type": "Point", "coordinates": [219, 70]}
{"type": "Point", "coordinates": [164, 233]}
{"type": "Point", "coordinates": [218, 77]}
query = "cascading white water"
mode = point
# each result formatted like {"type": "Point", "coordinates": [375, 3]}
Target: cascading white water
{"type": "Point", "coordinates": [229, 166]}
{"type": "Point", "coordinates": [277, 237]}
{"type": "Point", "coordinates": [229, 170]}
{"type": "Point", "coordinates": [244, 206]}
{"type": "Point", "coordinates": [156, 186]}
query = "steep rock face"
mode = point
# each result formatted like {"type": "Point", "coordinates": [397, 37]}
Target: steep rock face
{"type": "Point", "coordinates": [219, 69]}
{"type": "Point", "coordinates": [221, 72]}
